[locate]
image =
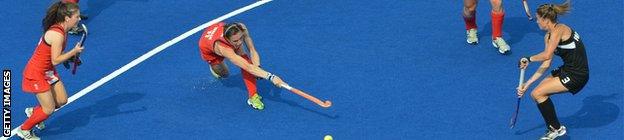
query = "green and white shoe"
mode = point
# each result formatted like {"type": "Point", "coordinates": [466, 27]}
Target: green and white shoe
{"type": "Point", "coordinates": [256, 102]}
{"type": "Point", "coordinates": [29, 112]}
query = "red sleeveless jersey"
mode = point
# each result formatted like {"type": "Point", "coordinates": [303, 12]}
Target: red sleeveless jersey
{"type": "Point", "coordinates": [211, 35]}
{"type": "Point", "coordinates": [39, 68]}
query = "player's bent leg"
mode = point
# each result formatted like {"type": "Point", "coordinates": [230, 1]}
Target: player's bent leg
{"type": "Point", "coordinates": [255, 100]}
{"type": "Point", "coordinates": [59, 93]}
{"type": "Point", "coordinates": [219, 71]}
{"type": "Point", "coordinates": [39, 114]}
{"type": "Point", "coordinates": [549, 86]}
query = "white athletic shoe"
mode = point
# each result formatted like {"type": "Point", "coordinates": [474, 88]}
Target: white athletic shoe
{"type": "Point", "coordinates": [29, 112]}
{"type": "Point", "coordinates": [26, 134]}
{"type": "Point", "coordinates": [472, 37]}
{"type": "Point", "coordinates": [551, 133]}
{"type": "Point", "coordinates": [502, 46]}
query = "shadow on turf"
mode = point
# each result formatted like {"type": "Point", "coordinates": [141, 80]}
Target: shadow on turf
{"type": "Point", "coordinates": [95, 7]}
{"type": "Point", "coordinates": [272, 93]}
{"type": "Point", "coordinates": [595, 112]}
{"type": "Point", "coordinates": [81, 117]}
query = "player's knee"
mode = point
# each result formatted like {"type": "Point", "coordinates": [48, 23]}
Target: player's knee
{"type": "Point", "coordinates": [224, 75]}
{"type": "Point", "coordinates": [497, 5]}
{"type": "Point", "coordinates": [496, 2]}
{"type": "Point", "coordinates": [470, 8]}
{"type": "Point", "coordinates": [61, 102]}
{"type": "Point", "coordinates": [538, 95]}
{"type": "Point", "coordinates": [220, 73]}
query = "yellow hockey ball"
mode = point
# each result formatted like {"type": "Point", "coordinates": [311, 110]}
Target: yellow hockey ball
{"type": "Point", "coordinates": [328, 137]}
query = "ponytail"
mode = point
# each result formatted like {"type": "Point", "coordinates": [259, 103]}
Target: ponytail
{"type": "Point", "coordinates": [57, 12]}
{"type": "Point", "coordinates": [562, 9]}
{"type": "Point", "coordinates": [551, 11]}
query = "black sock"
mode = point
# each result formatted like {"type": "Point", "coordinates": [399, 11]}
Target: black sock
{"type": "Point", "coordinates": [548, 112]}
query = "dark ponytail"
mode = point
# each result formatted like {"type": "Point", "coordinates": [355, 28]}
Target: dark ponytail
{"type": "Point", "coordinates": [57, 13]}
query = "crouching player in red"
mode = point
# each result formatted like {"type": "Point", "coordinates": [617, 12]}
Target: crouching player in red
{"type": "Point", "coordinates": [40, 76]}
{"type": "Point", "coordinates": [224, 41]}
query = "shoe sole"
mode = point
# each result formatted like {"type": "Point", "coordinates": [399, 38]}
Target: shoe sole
{"type": "Point", "coordinates": [564, 132]}
{"type": "Point", "coordinates": [249, 103]}
{"type": "Point", "coordinates": [499, 50]}
{"type": "Point", "coordinates": [19, 134]}
{"type": "Point", "coordinates": [472, 43]}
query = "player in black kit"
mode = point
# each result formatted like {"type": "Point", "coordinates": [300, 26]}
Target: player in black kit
{"type": "Point", "coordinates": [564, 42]}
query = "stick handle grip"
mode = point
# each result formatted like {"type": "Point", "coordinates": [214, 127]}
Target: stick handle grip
{"type": "Point", "coordinates": [521, 79]}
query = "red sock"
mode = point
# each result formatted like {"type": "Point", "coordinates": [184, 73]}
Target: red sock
{"type": "Point", "coordinates": [497, 24]}
{"type": "Point", "coordinates": [249, 79]}
{"type": "Point", "coordinates": [471, 21]}
{"type": "Point", "coordinates": [37, 117]}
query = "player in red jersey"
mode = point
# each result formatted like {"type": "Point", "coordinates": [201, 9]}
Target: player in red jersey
{"type": "Point", "coordinates": [224, 41]}
{"type": "Point", "coordinates": [40, 76]}
{"type": "Point", "coordinates": [498, 14]}
{"type": "Point", "coordinates": [78, 29]}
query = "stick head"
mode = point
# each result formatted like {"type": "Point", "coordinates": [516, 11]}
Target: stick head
{"type": "Point", "coordinates": [326, 104]}
{"type": "Point", "coordinates": [85, 28]}
{"type": "Point", "coordinates": [84, 35]}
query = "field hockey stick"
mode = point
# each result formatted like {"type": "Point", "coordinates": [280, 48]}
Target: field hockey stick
{"type": "Point", "coordinates": [325, 104]}
{"type": "Point", "coordinates": [77, 60]}
{"type": "Point", "coordinates": [515, 115]}
{"type": "Point", "coordinates": [526, 9]}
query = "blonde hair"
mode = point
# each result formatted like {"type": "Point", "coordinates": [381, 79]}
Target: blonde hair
{"type": "Point", "coordinates": [551, 11]}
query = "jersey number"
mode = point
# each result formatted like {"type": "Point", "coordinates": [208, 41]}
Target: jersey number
{"type": "Point", "coordinates": [211, 33]}
{"type": "Point", "coordinates": [577, 37]}
{"type": "Point", "coordinates": [565, 80]}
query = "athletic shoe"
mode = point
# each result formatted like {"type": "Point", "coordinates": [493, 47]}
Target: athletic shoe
{"type": "Point", "coordinates": [26, 134]}
{"type": "Point", "coordinates": [502, 46]}
{"type": "Point", "coordinates": [471, 36]}
{"type": "Point", "coordinates": [256, 102]}
{"type": "Point", "coordinates": [551, 133]}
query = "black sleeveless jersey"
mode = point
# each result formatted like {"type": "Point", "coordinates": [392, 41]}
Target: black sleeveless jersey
{"type": "Point", "coordinates": [572, 51]}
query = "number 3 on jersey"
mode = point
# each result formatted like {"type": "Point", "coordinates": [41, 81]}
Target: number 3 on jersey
{"type": "Point", "coordinates": [565, 80]}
